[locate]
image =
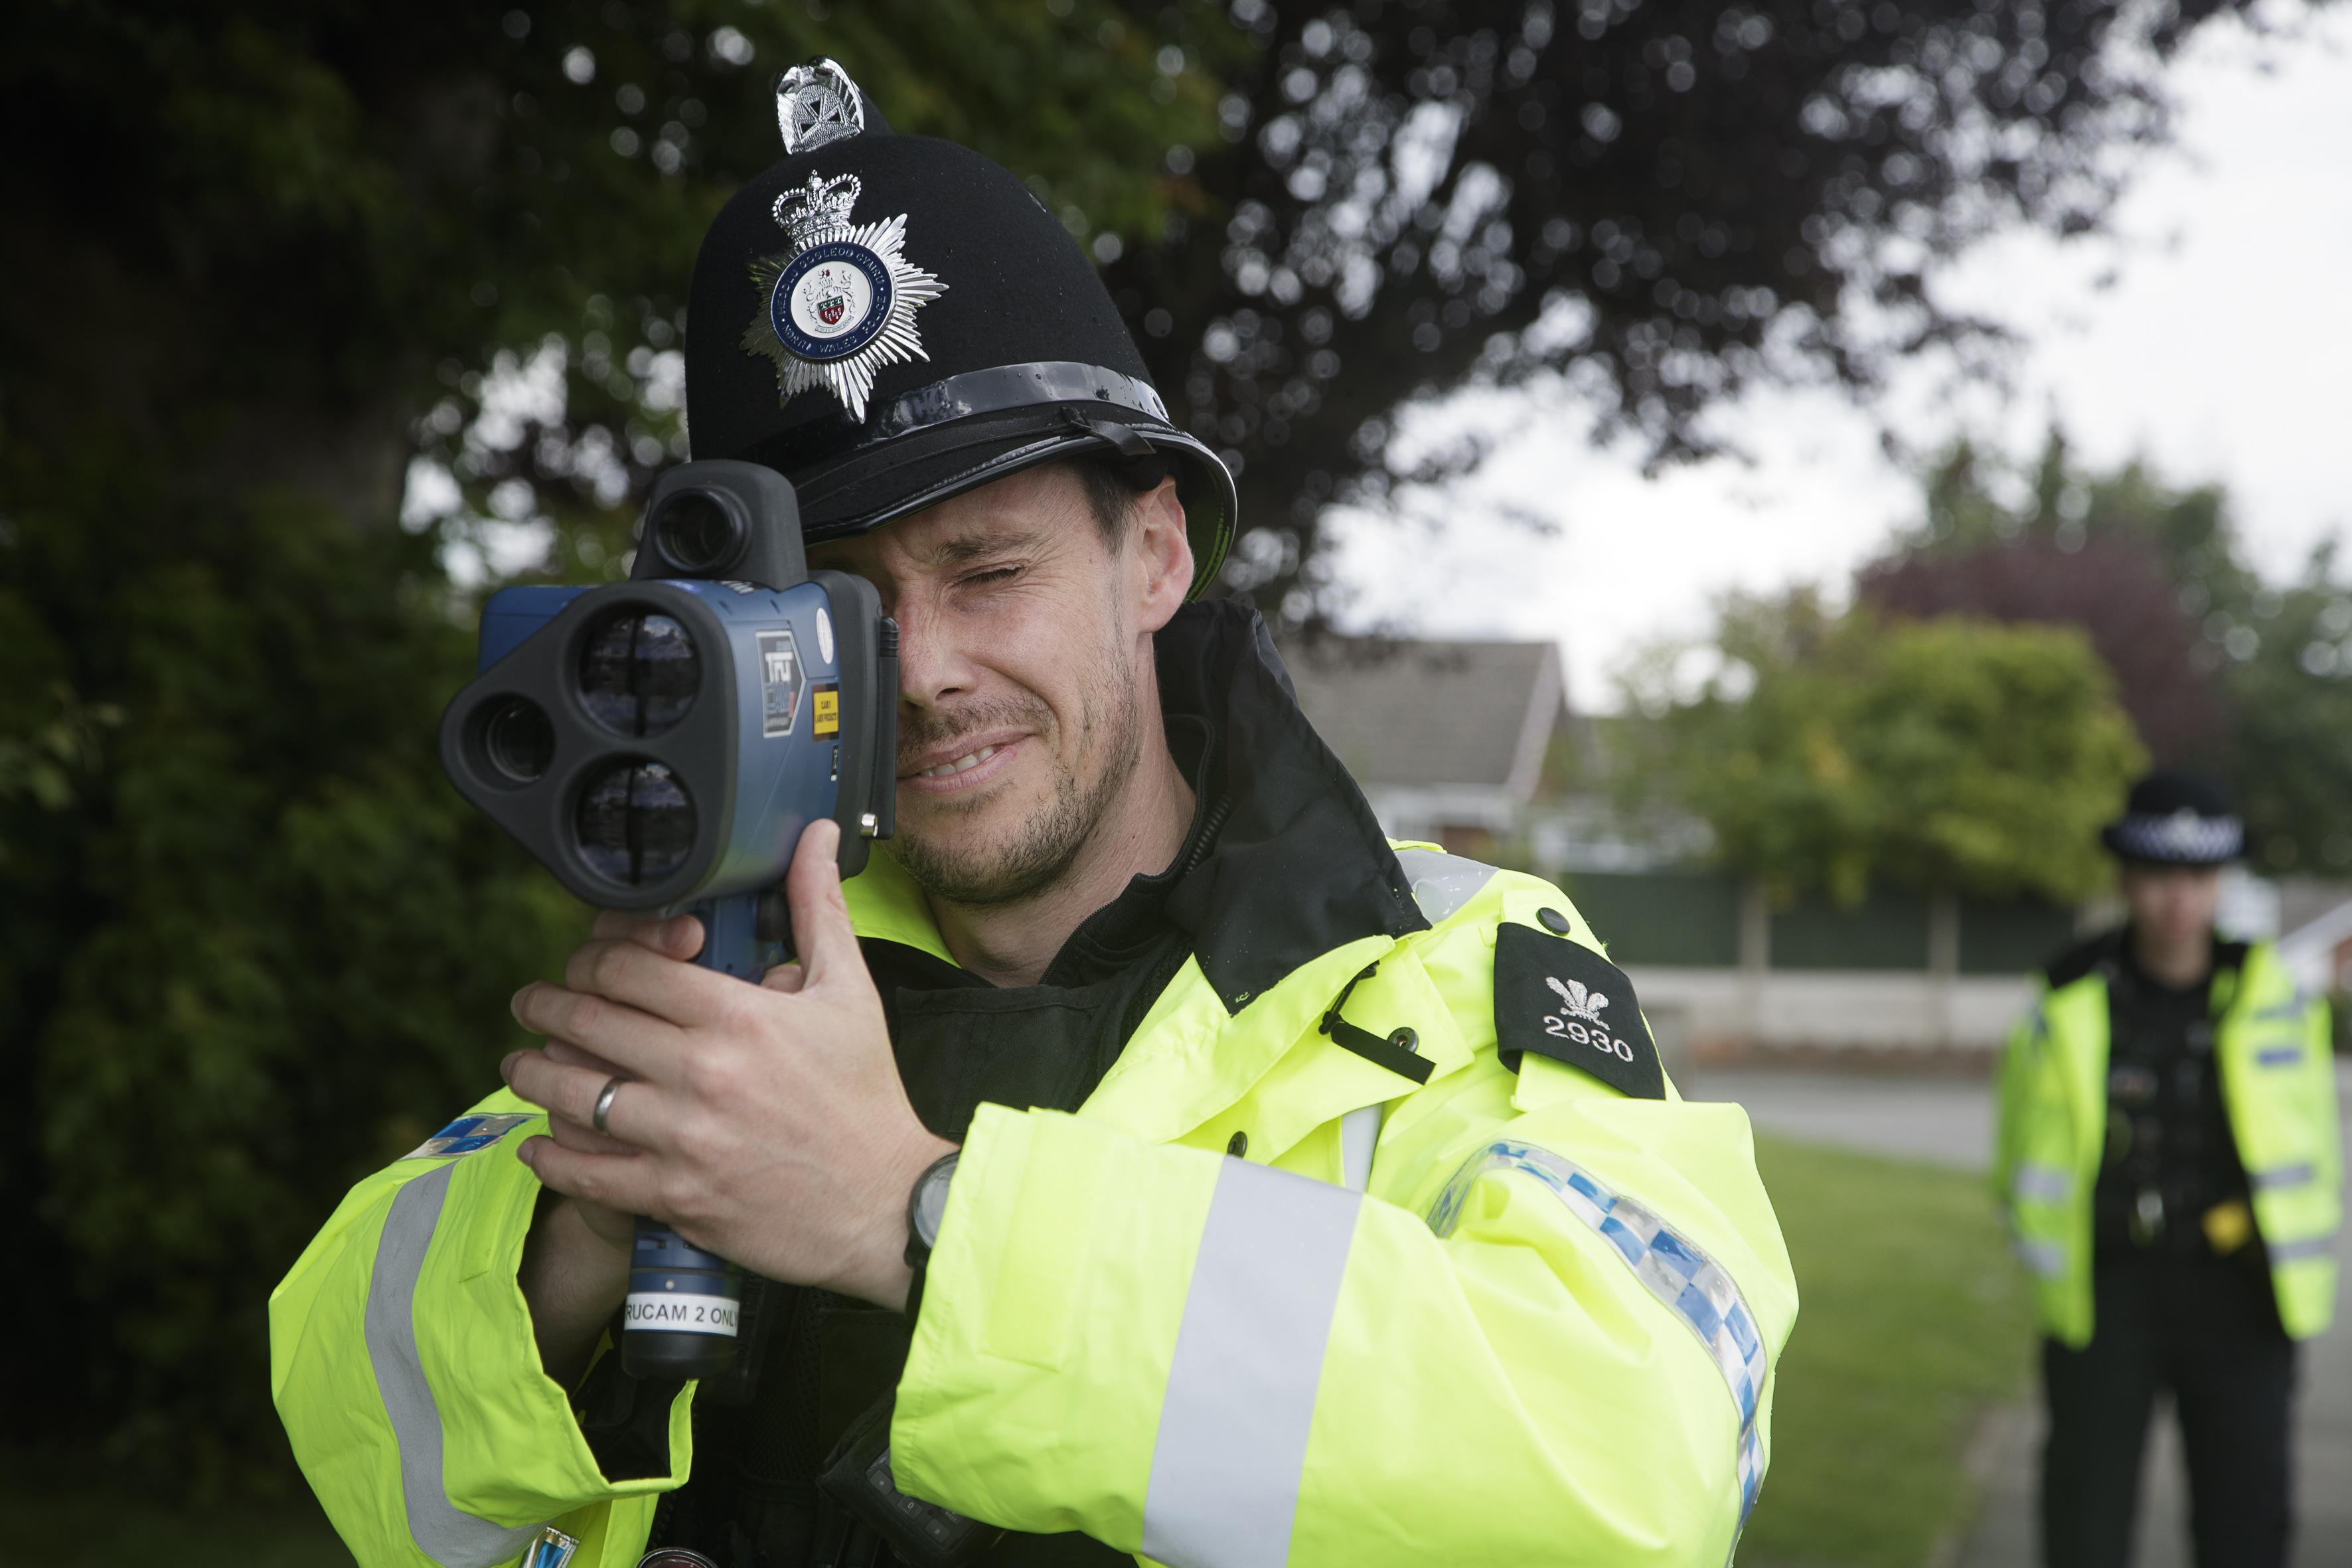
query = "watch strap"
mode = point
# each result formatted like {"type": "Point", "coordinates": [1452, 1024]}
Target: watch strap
{"type": "Point", "coordinates": [919, 1251]}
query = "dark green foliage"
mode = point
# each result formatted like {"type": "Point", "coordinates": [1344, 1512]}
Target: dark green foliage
{"type": "Point", "coordinates": [252, 944]}
{"type": "Point", "coordinates": [261, 950]}
{"type": "Point", "coordinates": [56, 1512]}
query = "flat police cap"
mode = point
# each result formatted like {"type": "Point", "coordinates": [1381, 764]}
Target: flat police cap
{"type": "Point", "coordinates": [2176, 819]}
{"type": "Point", "coordinates": [890, 322]}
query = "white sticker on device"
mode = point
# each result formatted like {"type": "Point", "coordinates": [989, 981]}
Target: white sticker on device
{"type": "Point", "coordinates": [681, 1314]}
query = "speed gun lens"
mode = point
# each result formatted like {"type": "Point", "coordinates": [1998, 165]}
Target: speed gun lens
{"type": "Point", "coordinates": [696, 535]}
{"type": "Point", "coordinates": [635, 823]}
{"type": "Point", "coordinates": [639, 673]}
{"type": "Point", "coordinates": [520, 740]}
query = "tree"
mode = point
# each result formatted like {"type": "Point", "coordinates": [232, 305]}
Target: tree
{"type": "Point", "coordinates": [252, 944]}
{"type": "Point", "coordinates": [1662, 202]}
{"type": "Point", "coordinates": [1319, 214]}
{"type": "Point", "coordinates": [2218, 668]}
{"type": "Point", "coordinates": [1978, 558]}
{"type": "Point", "coordinates": [1950, 755]}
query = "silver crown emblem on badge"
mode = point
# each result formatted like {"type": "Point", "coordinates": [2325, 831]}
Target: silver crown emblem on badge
{"type": "Point", "coordinates": [807, 211]}
{"type": "Point", "coordinates": [816, 104]}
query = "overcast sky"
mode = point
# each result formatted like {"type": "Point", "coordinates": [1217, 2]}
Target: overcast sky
{"type": "Point", "coordinates": [2211, 334]}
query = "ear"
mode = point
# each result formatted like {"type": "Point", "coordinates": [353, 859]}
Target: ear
{"type": "Point", "coordinates": [1160, 550]}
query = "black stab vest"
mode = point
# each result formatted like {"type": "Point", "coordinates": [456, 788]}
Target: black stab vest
{"type": "Point", "coordinates": [825, 1358]}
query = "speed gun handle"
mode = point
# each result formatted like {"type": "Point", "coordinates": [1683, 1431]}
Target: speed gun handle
{"type": "Point", "coordinates": [683, 1309]}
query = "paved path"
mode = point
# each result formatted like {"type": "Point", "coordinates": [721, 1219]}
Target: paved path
{"type": "Point", "coordinates": [1951, 1123]}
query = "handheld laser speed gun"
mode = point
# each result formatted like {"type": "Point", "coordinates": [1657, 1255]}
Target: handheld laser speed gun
{"type": "Point", "coordinates": [660, 743]}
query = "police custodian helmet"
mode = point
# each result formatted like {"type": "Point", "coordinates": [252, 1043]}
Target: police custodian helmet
{"type": "Point", "coordinates": [2176, 819]}
{"type": "Point", "coordinates": [890, 322]}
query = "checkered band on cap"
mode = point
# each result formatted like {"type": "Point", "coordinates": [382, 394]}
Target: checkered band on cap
{"type": "Point", "coordinates": [2182, 838]}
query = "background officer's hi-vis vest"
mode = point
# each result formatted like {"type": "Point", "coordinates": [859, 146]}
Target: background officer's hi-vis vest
{"type": "Point", "coordinates": [2278, 1081]}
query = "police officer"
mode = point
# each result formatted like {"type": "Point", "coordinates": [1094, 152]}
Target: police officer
{"type": "Point", "coordinates": [1145, 1156]}
{"type": "Point", "coordinates": [2168, 1157]}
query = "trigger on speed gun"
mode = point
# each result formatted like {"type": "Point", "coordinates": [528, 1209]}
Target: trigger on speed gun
{"type": "Point", "coordinates": [659, 744]}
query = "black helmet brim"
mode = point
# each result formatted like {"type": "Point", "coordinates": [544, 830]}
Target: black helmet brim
{"type": "Point", "coordinates": [954, 436]}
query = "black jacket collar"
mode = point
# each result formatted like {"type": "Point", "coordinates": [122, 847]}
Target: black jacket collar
{"type": "Point", "coordinates": [1300, 866]}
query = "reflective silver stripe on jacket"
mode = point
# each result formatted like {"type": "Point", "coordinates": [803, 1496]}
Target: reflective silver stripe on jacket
{"type": "Point", "coordinates": [2279, 1176]}
{"type": "Point", "coordinates": [443, 1531]}
{"type": "Point", "coordinates": [1693, 1285]}
{"type": "Point", "coordinates": [2044, 1260]}
{"type": "Point", "coordinates": [1249, 1357]}
{"type": "Point", "coordinates": [2041, 1183]}
{"type": "Point", "coordinates": [2296, 1251]}
{"type": "Point", "coordinates": [1441, 883]}
{"type": "Point", "coordinates": [1359, 1137]}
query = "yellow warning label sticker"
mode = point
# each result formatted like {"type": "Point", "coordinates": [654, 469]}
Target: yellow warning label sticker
{"type": "Point", "coordinates": [828, 710]}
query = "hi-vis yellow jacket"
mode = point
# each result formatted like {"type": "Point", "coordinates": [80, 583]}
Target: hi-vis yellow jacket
{"type": "Point", "coordinates": [1503, 1316]}
{"type": "Point", "coordinates": [2278, 1082]}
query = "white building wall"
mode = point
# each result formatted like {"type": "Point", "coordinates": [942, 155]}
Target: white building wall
{"type": "Point", "coordinates": [1833, 1009]}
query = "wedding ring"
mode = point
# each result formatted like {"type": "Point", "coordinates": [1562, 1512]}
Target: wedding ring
{"type": "Point", "coordinates": [604, 1103]}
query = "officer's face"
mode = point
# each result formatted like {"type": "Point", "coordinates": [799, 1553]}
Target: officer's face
{"type": "Point", "coordinates": [1026, 674]}
{"type": "Point", "coordinates": [2174, 903]}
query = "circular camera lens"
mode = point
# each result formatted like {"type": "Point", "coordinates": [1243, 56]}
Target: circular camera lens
{"type": "Point", "coordinates": [638, 673]}
{"type": "Point", "coordinates": [519, 740]}
{"type": "Point", "coordinates": [635, 823]}
{"type": "Point", "coordinates": [697, 534]}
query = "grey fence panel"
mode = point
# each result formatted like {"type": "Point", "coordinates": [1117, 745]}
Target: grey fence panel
{"type": "Point", "coordinates": [1664, 917]}
{"type": "Point", "coordinates": [2011, 936]}
{"type": "Point", "coordinates": [1887, 930]}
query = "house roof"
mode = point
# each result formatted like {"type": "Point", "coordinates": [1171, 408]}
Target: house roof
{"type": "Point", "coordinates": [2304, 899]}
{"type": "Point", "coordinates": [1432, 713]}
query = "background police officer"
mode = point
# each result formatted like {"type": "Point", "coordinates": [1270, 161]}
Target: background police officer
{"type": "Point", "coordinates": [2168, 1151]}
{"type": "Point", "coordinates": [1379, 1235]}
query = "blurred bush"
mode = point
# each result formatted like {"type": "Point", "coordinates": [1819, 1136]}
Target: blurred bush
{"type": "Point", "coordinates": [1836, 751]}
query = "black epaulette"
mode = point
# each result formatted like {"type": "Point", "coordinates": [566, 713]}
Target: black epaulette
{"type": "Point", "coordinates": [1560, 999]}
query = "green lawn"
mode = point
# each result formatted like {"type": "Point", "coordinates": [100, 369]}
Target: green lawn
{"type": "Point", "coordinates": [65, 1523]}
{"type": "Point", "coordinates": [1913, 1320]}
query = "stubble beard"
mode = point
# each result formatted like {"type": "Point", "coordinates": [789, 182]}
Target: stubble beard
{"type": "Point", "coordinates": [1030, 857]}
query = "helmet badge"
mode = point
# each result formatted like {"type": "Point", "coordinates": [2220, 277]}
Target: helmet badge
{"type": "Point", "coordinates": [815, 104]}
{"type": "Point", "coordinates": [840, 304]}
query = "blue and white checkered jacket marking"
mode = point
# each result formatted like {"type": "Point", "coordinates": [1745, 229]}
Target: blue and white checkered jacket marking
{"type": "Point", "coordinates": [1692, 1285]}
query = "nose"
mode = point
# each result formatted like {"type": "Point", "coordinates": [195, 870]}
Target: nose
{"type": "Point", "coordinates": [931, 668]}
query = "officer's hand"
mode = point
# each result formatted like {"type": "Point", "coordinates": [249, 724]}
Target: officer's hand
{"type": "Point", "coordinates": [768, 1122]}
{"type": "Point", "coordinates": [609, 1225]}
